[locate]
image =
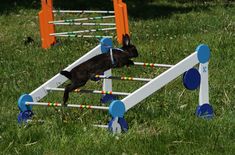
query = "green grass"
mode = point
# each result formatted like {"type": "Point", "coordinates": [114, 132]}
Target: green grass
{"type": "Point", "coordinates": [164, 123]}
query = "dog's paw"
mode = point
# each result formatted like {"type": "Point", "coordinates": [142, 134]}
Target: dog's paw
{"type": "Point", "coordinates": [64, 105]}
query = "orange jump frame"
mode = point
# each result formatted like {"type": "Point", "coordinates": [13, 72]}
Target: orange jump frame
{"type": "Point", "coordinates": [46, 15]}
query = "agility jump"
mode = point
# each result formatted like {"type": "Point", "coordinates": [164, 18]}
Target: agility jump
{"type": "Point", "coordinates": [47, 23]}
{"type": "Point", "coordinates": [192, 79]}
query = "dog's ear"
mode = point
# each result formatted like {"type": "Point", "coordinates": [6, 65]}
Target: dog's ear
{"type": "Point", "coordinates": [125, 40]}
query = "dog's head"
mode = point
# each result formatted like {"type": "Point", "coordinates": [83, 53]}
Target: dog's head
{"type": "Point", "coordinates": [128, 47]}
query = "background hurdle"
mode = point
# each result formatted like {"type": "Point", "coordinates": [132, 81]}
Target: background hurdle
{"type": "Point", "coordinates": [47, 23]}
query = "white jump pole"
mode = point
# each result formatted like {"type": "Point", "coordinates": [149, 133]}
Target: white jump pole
{"type": "Point", "coordinates": [152, 64]}
{"type": "Point", "coordinates": [160, 81]}
{"type": "Point", "coordinates": [86, 24]}
{"type": "Point", "coordinates": [69, 105]}
{"type": "Point", "coordinates": [83, 11]}
{"type": "Point", "coordinates": [84, 36]}
{"type": "Point", "coordinates": [81, 19]}
{"type": "Point", "coordinates": [101, 126]}
{"type": "Point", "coordinates": [83, 31]}
{"type": "Point", "coordinates": [59, 79]}
{"type": "Point", "coordinates": [91, 91]}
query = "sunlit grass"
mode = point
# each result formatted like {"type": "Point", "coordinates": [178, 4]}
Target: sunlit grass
{"type": "Point", "coordinates": [164, 123]}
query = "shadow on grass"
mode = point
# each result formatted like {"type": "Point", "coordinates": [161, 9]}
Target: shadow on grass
{"type": "Point", "coordinates": [158, 10]}
{"type": "Point", "coordinates": [138, 9]}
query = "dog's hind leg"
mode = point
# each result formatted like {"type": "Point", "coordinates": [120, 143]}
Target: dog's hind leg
{"type": "Point", "coordinates": [129, 62]}
{"type": "Point", "coordinates": [71, 87]}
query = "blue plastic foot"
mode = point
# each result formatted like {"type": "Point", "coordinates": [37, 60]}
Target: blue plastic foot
{"type": "Point", "coordinates": [21, 102]}
{"type": "Point", "coordinates": [24, 116]}
{"type": "Point", "coordinates": [121, 123]}
{"type": "Point", "coordinates": [25, 110]}
{"type": "Point", "coordinates": [205, 111]}
{"type": "Point", "coordinates": [107, 98]}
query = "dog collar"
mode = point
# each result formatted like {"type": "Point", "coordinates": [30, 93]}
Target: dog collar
{"type": "Point", "coordinates": [111, 56]}
{"type": "Point", "coordinates": [119, 49]}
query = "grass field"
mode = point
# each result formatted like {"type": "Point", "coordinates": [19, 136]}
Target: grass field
{"type": "Point", "coordinates": [164, 123]}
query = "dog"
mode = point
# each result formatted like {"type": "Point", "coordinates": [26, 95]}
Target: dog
{"type": "Point", "coordinates": [116, 58]}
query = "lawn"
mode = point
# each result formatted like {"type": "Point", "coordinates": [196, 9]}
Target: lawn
{"type": "Point", "coordinates": [164, 123]}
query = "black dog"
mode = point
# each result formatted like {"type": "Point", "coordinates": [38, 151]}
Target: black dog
{"type": "Point", "coordinates": [97, 65]}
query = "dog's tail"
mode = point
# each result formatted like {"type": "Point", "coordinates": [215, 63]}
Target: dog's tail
{"type": "Point", "coordinates": [66, 74]}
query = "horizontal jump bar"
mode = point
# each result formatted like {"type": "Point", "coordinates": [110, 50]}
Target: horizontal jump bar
{"type": "Point", "coordinates": [152, 65]}
{"type": "Point", "coordinates": [123, 78]}
{"type": "Point", "coordinates": [82, 11]}
{"type": "Point", "coordinates": [85, 24]}
{"type": "Point", "coordinates": [83, 36]}
{"type": "Point", "coordinates": [83, 31]}
{"type": "Point", "coordinates": [91, 91]}
{"type": "Point", "coordinates": [69, 105]}
{"type": "Point", "coordinates": [101, 126]}
{"type": "Point", "coordinates": [81, 19]}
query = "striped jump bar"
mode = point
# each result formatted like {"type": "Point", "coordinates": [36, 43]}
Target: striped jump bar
{"type": "Point", "coordinates": [91, 91]}
{"type": "Point", "coordinates": [56, 104]}
{"type": "Point", "coordinates": [83, 36]}
{"type": "Point", "coordinates": [82, 11]}
{"type": "Point", "coordinates": [152, 65]}
{"type": "Point", "coordinates": [123, 78]}
{"type": "Point", "coordinates": [85, 24]}
{"type": "Point", "coordinates": [81, 19]}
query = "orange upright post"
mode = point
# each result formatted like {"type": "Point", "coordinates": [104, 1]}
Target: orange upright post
{"type": "Point", "coordinates": [46, 15]}
{"type": "Point", "coordinates": [121, 19]}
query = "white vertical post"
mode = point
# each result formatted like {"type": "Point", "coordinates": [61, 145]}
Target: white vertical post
{"type": "Point", "coordinates": [204, 88]}
{"type": "Point", "coordinates": [107, 83]}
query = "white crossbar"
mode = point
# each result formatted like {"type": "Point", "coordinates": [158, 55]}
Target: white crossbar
{"type": "Point", "coordinates": [91, 91]}
{"type": "Point", "coordinates": [86, 24]}
{"type": "Point", "coordinates": [82, 11]}
{"type": "Point", "coordinates": [69, 105]}
{"type": "Point", "coordinates": [160, 81]}
{"type": "Point", "coordinates": [101, 126]}
{"type": "Point", "coordinates": [152, 64]}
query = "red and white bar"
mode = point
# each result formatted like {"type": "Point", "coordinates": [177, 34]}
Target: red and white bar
{"type": "Point", "coordinates": [123, 78]}
{"type": "Point", "coordinates": [82, 11]}
{"type": "Point", "coordinates": [152, 65]}
{"type": "Point", "coordinates": [69, 105]}
{"type": "Point", "coordinates": [91, 91]}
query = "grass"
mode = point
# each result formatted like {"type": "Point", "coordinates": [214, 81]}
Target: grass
{"type": "Point", "coordinates": [164, 123]}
